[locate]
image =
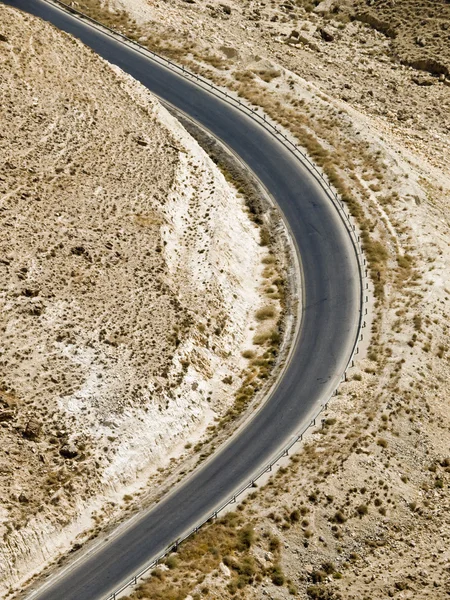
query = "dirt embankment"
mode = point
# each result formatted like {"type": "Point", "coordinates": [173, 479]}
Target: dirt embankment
{"type": "Point", "coordinates": [130, 273]}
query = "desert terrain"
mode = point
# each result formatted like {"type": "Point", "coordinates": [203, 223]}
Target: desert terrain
{"type": "Point", "coordinates": [131, 276]}
{"type": "Point", "coordinates": [361, 511]}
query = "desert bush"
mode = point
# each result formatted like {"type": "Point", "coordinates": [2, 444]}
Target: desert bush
{"type": "Point", "coordinates": [338, 517]}
{"type": "Point", "coordinates": [277, 575]}
{"type": "Point", "coordinates": [264, 313]}
{"type": "Point", "coordinates": [362, 510]}
{"type": "Point", "coordinates": [274, 543]}
{"type": "Point", "coordinates": [267, 75]}
{"type": "Point", "coordinates": [294, 517]}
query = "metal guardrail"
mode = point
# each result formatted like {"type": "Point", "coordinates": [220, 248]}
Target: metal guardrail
{"type": "Point", "coordinates": [323, 181]}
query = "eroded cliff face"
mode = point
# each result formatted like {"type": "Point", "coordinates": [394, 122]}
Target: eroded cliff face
{"type": "Point", "coordinates": [129, 275]}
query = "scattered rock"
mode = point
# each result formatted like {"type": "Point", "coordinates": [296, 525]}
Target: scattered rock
{"type": "Point", "coordinates": [3, 38]}
{"type": "Point", "coordinates": [305, 40]}
{"type": "Point", "coordinates": [30, 292]}
{"type": "Point", "coordinates": [387, 29]}
{"type": "Point", "coordinates": [229, 51]}
{"type": "Point", "coordinates": [78, 250]}
{"type": "Point", "coordinates": [5, 468]}
{"type": "Point", "coordinates": [6, 415]}
{"type": "Point", "coordinates": [35, 308]}
{"type": "Point", "coordinates": [69, 451]}
{"type": "Point", "coordinates": [32, 430]}
{"type": "Point", "coordinates": [326, 34]}
{"type": "Point", "coordinates": [325, 7]}
{"type": "Point", "coordinates": [423, 80]}
{"type": "Point", "coordinates": [140, 140]}
{"type": "Point", "coordinates": [430, 65]}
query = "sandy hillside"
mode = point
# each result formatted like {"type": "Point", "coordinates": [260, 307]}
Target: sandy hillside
{"type": "Point", "coordinates": [129, 278]}
{"type": "Point", "coordinates": [361, 512]}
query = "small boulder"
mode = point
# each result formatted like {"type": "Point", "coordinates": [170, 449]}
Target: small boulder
{"type": "Point", "coordinates": [326, 34]}
{"type": "Point", "coordinates": [423, 80]}
{"type": "Point", "coordinates": [23, 498]}
{"type": "Point", "coordinates": [35, 307]}
{"type": "Point", "coordinates": [5, 468]}
{"type": "Point", "coordinates": [68, 451]}
{"type": "Point", "coordinates": [6, 415]}
{"type": "Point", "coordinates": [32, 430]}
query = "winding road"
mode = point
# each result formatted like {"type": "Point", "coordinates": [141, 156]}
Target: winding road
{"type": "Point", "coordinates": [330, 319]}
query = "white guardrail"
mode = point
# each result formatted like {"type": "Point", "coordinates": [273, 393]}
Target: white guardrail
{"type": "Point", "coordinates": [322, 179]}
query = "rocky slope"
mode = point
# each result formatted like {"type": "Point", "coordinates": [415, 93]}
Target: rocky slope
{"type": "Point", "coordinates": [129, 277]}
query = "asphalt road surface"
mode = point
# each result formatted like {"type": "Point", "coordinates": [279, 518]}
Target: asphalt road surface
{"type": "Point", "coordinates": [329, 326]}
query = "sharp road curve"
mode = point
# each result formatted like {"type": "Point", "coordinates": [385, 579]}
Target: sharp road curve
{"type": "Point", "coordinates": [331, 298]}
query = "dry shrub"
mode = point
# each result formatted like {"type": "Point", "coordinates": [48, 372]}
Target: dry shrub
{"type": "Point", "coordinates": [266, 312]}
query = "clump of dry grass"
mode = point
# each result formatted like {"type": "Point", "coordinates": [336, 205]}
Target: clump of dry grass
{"type": "Point", "coordinates": [228, 540]}
{"type": "Point", "coordinates": [266, 312]}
